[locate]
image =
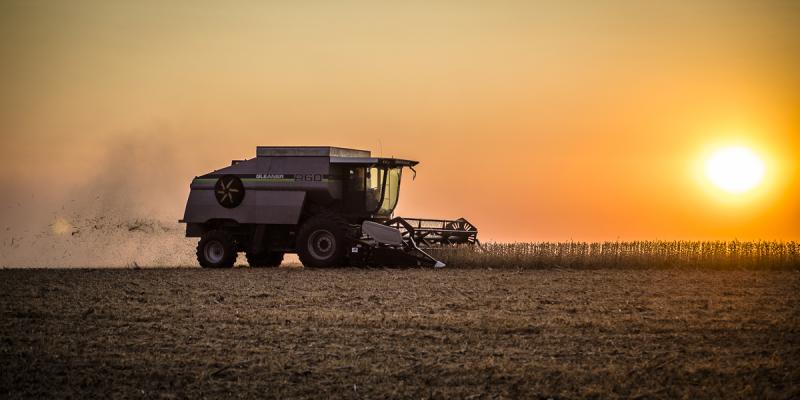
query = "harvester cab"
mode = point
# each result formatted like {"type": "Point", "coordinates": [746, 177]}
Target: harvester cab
{"type": "Point", "coordinates": [332, 206]}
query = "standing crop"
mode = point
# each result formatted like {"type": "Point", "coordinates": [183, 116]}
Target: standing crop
{"type": "Point", "coordinates": [654, 254]}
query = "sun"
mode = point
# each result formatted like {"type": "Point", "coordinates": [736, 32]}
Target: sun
{"type": "Point", "coordinates": [735, 169]}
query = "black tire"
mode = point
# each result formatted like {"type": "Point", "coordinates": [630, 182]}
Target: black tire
{"type": "Point", "coordinates": [323, 241]}
{"type": "Point", "coordinates": [264, 259]}
{"type": "Point", "coordinates": [216, 249]}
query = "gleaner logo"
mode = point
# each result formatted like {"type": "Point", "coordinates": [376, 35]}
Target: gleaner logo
{"type": "Point", "coordinates": [229, 191]}
{"type": "Point", "coordinates": [269, 176]}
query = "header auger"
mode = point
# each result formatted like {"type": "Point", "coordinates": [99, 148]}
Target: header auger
{"type": "Point", "coordinates": [332, 206]}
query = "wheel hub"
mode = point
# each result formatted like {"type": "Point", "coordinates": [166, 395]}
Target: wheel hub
{"type": "Point", "coordinates": [322, 244]}
{"type": "Point", "coordinates": [214, 251]}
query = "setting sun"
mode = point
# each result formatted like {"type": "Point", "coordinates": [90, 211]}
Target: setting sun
{"type": "Point", "coordinates": [735, 169]}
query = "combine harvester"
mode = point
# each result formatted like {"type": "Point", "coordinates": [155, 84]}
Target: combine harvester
{"type": "Point", "coordinates": [332, 206]}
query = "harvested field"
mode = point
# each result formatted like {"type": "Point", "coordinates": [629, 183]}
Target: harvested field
{"type": "Point", "coordinates": [352, 333]}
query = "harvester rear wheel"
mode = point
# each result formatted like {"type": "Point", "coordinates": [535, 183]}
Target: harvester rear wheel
{"type": "Point", "coordinates": [264, 259]}
{"type": "Point", "coordinates": [216, 249]}
{"type": "Point", "coordinates": [323, 241]}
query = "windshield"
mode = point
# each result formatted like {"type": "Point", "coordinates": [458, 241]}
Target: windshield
{"type": "Point", "coordinates": [382, 196]}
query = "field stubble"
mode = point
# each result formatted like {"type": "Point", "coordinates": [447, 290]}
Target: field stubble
{"type": "Point", "coordinates": [353, 333]}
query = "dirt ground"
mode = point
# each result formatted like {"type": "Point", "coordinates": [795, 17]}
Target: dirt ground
{"type": "Point", "coordinates": [351, 333]}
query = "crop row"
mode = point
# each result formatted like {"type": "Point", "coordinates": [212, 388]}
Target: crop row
{"type": "Point", "coordinates": [763, 255]}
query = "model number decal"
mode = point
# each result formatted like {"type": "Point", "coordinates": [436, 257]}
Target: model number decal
{"type": "Point", "coordinates": [308, 177]}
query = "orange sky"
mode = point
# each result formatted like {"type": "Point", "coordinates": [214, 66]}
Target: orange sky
{"type": "Point", "coordinates": [579, 120]}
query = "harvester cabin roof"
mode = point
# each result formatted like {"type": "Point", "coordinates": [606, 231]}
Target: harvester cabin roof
{"type": "Point", "coordinates": [310, 151]}
{"type": "Point", "coordinates": [338, 155]}
{"type": "Point", "coordinates": [388, 162]}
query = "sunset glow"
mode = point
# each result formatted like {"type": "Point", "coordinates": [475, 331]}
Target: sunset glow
{"type": "Point", "coordinates": [735, 169]}
{"type": "Point", "coordinates": [535, 121]}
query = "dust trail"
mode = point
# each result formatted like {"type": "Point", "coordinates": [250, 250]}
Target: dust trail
{"type": "Point", "coordinates": [123, 212]}
{"type": "Point", "coordinates": [104, 241]}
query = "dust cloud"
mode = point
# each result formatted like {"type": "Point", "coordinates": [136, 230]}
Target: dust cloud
{"type": "Point", "coordinates": [122, 212]}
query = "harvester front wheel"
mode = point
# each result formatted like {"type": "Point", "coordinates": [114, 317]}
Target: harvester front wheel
{"type": "Point", "coordinates": [322, 241]}
{"type": "Point", "coordinates": [216, 249]}
{"type": "Point", "coordinates": [264, 259]}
